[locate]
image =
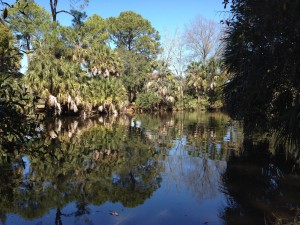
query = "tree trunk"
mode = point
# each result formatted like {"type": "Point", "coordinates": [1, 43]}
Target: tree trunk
{"type": "Point", "coordinates": [28, 50]}
{"type": "Point", "coordinates": [53, 5]}
{"type": "Point", "coordinates": [181, 93]}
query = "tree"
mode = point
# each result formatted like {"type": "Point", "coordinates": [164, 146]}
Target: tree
{"type": "Point", "coordinates": [9, 54]}
{"type": "Point", "coordinates": [55, 11]}
{"type": "Point", "coordinates": [134, 33]}
{"type": "Point", "coordinates": [205, 75]}
{"type": "Point", "coordinates": [262, 54]}
{"type": "Point", "coordinates": [15, 101]}
{"type": "Point", "coordinates": [28, 21]}
{"type": "Point", "coordinates": [196, 81]}
{"type": "Point", "coordinates": [161, 91]}
{"type": "Point", "coordinates": [89, 44]}
{"type": "Point", "coordinates": [174, 57]}
{"type": "Point", "coordinates": [79, 18]}
{"type": "Point", "coordinates": [95, 27]}
{"type": "Point", "coordinates": [55, 74]}
{"type": "Point", "coordinates": [204, 81]}
{"type": "Point", "coordinates": [202, 37]}
{"type": "Point", "coordinates": [137, 44]}
{"type": "Point", "coordinates": [70, 67]}
{"type": "Point", "coordinates": [134, 73]}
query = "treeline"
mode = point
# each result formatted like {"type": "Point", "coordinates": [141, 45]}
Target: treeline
{"type": "Point", "coordinates": [109, 65]}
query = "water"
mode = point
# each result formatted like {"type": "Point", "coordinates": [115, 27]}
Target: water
{"type": "Point", "coordinates": [148, 169]}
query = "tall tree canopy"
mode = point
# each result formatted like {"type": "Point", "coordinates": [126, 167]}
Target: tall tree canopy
{"type": "Point", "coordinates": [134, 33]}
{"type": "Point", "coordinates": [28, 21]}
{"type": "Point", "coordinates": [262, 52]}
{"type": "Point", "coordinates": [137, 43]}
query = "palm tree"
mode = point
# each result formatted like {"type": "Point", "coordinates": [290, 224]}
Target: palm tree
{"type": "Point", "coordinates": [197, 80]}
{"type": "Point", "coordinates": [56, 80]}
{"type": "Point", "coordinates": [163, 82]}
{"type": "Point", "coordinates": [205, 79]}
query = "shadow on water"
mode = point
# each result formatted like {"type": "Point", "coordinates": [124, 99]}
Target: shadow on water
{"type": "Point", "coordinates": [261, 187]}
{"type": "Point", "coordinates": [182, 168]}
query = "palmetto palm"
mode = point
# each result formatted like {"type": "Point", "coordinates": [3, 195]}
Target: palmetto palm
{"type": "Point", "coordinates": [50, 76]}
{"type": "Point", "coordinates": [203, 78]}
{"type": "Point", "coordinates": [104, 91]}
{"type": "Point", "coordinates": [214, 71]}
{"type": "Point", "coordinates": [102, 61]}
{"type": "Point", "coordinates": [164, 84]}
{"type": "Point", "coordinates": [197, 79]}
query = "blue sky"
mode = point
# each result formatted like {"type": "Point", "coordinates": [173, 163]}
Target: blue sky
{"type": "Point", "coordinates": [163, 14]}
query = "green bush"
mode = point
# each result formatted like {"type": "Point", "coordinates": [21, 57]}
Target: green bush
{"type": "Point", "coordinates": [190, 103]}
{"type": "Point", "coordinates": [148, 101]}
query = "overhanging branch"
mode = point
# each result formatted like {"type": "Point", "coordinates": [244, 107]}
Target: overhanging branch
{"type": "Point", "coordinates": [64, 11]}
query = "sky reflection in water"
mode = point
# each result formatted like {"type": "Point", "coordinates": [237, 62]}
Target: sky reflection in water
{"type": "Point", "coordinates": [164, 169]}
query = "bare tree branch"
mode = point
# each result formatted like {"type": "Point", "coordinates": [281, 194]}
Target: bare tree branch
{"type": "Point", "coordinates": [202, 37]}
{"type": "Point", "coordinates": [64, 11]}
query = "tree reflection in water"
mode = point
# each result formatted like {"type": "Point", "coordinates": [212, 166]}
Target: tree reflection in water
{"type": "Point", "coordinates": [89, 162]}
{"type": "Point", "coordinates": [143, 164]}
{"type": "Point", "coordinates": [194, 148]}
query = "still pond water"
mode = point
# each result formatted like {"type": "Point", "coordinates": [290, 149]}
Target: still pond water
{"type": "Point", "coordinates": [148, 169]}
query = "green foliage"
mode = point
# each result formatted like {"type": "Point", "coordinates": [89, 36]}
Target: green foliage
{"type": "Point", "coordinates": [102, 61]}
{"type": "Point", "coordinates": [196, 78]}
{"type": "Point", "coordinates": [148, 101]}
{"type": "Point", "coordinates": [28, 21]}
{"type": "Point", "coordinates": [110, 90]}
{"type": "Point", "coordinates": [78, 18]}
{"type": "Point", "coordinates": [190, 103]}
{"type": "Point", "coordinates": [262, 53]}
{"type": "Point", "coordinates": [217, 104]}
{"type": "Point", "coordinates": [137, 43]}
{"type": "Point", "coordinates": [134, 33]}
{"type": "Point", "coordinates": [76, 65]}
{"type": "Point", "coordinates": [9, 54]}
{"type": "Point", "coordinates": [134, 72]}
{"type": "Point", "coordinates": [164, 84]}
{"type": "Point", "coordinates": [50, 72]}
{"type": "Point", "coordinates": [94, 31]}
{"type": "Point", "coordinates": [204, 81]}
{"type": "Point", "coordinates": [16, 103]}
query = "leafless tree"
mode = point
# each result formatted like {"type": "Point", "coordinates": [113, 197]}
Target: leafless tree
{"type": "Point", "coordinates": [175, 56]}
{"type": "Point", "coordinates": [174, 52]}
{"type": "Point", "coordinates": [203, 38]}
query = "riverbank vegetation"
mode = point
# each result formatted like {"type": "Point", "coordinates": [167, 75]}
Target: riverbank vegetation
{"type": "Point", "coordinates": [98, 65]}
{"type": "Point", "coordinates": [109, 65]}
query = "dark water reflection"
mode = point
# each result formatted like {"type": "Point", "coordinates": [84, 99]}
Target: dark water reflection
{"type": "Point", "coordinates": [160, 169]}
